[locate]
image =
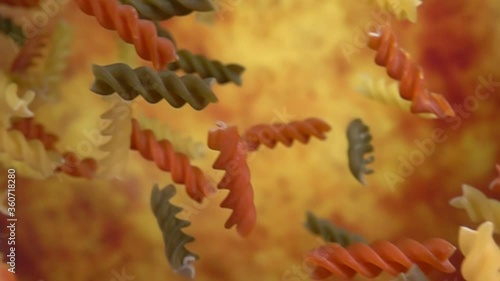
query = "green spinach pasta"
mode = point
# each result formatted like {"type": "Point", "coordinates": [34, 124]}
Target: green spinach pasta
{"type": "Point", "coordinates": [165, 9]}
{"type": "Point", "coordinates": [329, 232]}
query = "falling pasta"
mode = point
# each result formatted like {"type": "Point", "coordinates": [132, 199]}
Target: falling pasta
{"type": "Point", "coordinates": [11, 29]}
{"type": "Point", "coordinates": [414, 274]}
{"type": "Point", "coordinates": [33, 131]}
{"type": "Point", "coordinates": [152, 86]}
{"type": "Point", "coordinates": [359, 139]}
{"type": "Point", "coordinates": [11, 105]}
{"type": "Point", "coordinates": [329, 232]}
{"type": "Point", "coordinates": [164, 9]}
{"type": "Point", "coordinates": [179, 258]}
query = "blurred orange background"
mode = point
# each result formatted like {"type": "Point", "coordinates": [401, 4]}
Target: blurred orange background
{"type": "Point", "coordinates": [93, 230]}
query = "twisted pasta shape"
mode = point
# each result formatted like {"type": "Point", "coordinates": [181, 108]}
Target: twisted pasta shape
{"type": "Point", "coordinates": [31, 130]}
{"type": "Point", "coordinates": [152, 86]}
{"type": "Point", "coordinates": [403, 9]}
{"type": "Point", "coordinates": [165, 9]}
{"type": "Point", "coordinates": [496, 182]}
{"type": "Point", "coordinates": [479, 207]}
{"type": "Point", "coordinates": [359, 139]}
{"type": "Point", "coordinates": [162, 32]}
{"type": "Point", "coordinates": [179, 258]}
{"type": "Point", "coordinates": [388, 93]}
{"type": "Point", "coordinates": [117, 147]}
{"type": "Point", "coordinates": [206, 68]}
{"type": "Point", "coordinates": [11, 29]}
{"type": "Point", "coordinates": [20, 3]}
{"type": "Point", "coordinates": [370, 261]}
{"type": "Point", "coordinates": [411, 76]}
{"type": "Point", "coordinates": [414, 274]}
{"type": "Point", "coordinates": [482, 254]}
{"type": "Point", "coordinates": [11, 105]}
{"type": "Point", "coordinates": [165, 157]}
{"type": "Point", "coordinates": [233, 159]}
{"type": "Point", "coordinates": [30, 52]}
{"type": "Point", "coordinates": [181, 144]}
{"type": "Point", "coordinates": [32, 152]}
{"type": "Point", "coordinates": [330, 232]}
{"type": "Point", "coordinates": [142, 33]}
{"type": "Point", "coordinates": [75, 167]}
{"type": "Point", "coordinates": [270, 135]}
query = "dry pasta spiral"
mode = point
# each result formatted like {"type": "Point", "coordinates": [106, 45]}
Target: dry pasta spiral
{"type": "Point", "coordinates": [179, 258]}
{"type": "Point", "coordinates": [411, 76]}
{"type": "Point", "coordinates": [359, 139]}
{"type": "Point", "coordinates": [11, 105]}
{"type": "Point", "coordinates": [164, 9]}
{"type": "Point", "coordinates": [11, 29]}
{"type": "Point", "coordinates": [31, 130]}
{"type": "Point", "coordinates": [152, 86]}
{"type": "Point", "coordinates": [142, 33]}
{"type": "Point", "coordinates": [329, 232]}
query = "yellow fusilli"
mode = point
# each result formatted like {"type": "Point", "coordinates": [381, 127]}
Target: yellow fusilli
{"type": "Point", "coordinates": [482, 254]}
{"type": "Point", "coordinates": [181, 143]}
{"type": "Point", "coordinates": [118, 132]}
{"type": "Point", "coordinates": [479, 207]}
{"type": "Point", "coordinates": [11, 105]}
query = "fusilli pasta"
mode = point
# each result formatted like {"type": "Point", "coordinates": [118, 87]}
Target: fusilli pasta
{"type": "Point", "coordinates": [11, 29]}
{"type": "Point", "coordinates": [165, 157]}
{"type": "Point", "coordinates": [206, 68]}
{"type": "Point", "coordinates": [233, 159]}
{"type": "Point", "coordinates": [31, 130]}
{"type": "Point", "coordinates": [359, 139]}
{"type": "Point", "coordinates": [386, 92]}
{"type": "Point", "coordinates": [76, 167]}
{"type": "Point", "coordinates": [153, 86]}
{"type": "Point", "coordinates": [10, 104]}
{"type": "Point", "coordinates": [118, 145]}
{"type": "Point", "coordinates": [479, 207]}
{"type": "Point", "coordinates": [400, 67]}
{"type": "Point", "coordinates": [482, 254]}
{"type": "Point", "coordinates": [181, 143]}
{"type": "Point", "coordinates": [30, 52]}
{"type": "Point", "coordinates": [142, 33]}
{"type": "Point", "coordinates": [370, 261]}
{"type": "Point", "coordinates": [179, 258]}
{"type": "Point", "coordinates": [414, 274]}
{"type": "Point", "coordinates": [329, 232]}
{"type": "Point", "coordinates": [165, 9]}
{"type": "Point", "coordinates": [270, 135]}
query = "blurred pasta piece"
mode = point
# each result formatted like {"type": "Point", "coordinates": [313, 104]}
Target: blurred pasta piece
{"type": "Point", "coordinates": [31, 130]}
{"type": "Point", "coordinates": [12, 30]}
{"type": "Point", "coordinates": [233, 159]}
{"type": "Point", "coordinates": [175, 240]}
{"type": "Point", "coordinates": [479, 207]}
{"type": "Point", "coordinates": [359, 144]}
{"type": "Point", "coordinates": [496, 181]}
{"type": "Point", "coordinates": [153, 86]}
{"type": "Point", "coordinates": [118, 131]}
{"type": "Point", "coordinates": [271, 135]}
{"type": "Point", "coordinates": [30, 54]}
{"type": "Point", "coordinates": [403, 9]}
{"type": "Point", "coordinates": [386, 92]}
{"type": "Point", "coordinates": [160, 10]}
{"type": "Point", "coordinates": [180, 142]}
{"type": "Point", "coordinates": [414, 274]}
{"type": "Point", "coordinates": [11, 105]}
{"type": "Point", "coordinates": [329, 232]}
{"type": "Point", "coordinates": [333, 259]}
{"type": "Point", "coordinates": [482, 254]}
{"type": "Point", "coordinates": [76, 167]}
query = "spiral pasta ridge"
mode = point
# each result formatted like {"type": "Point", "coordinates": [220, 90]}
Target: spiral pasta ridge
{"type": "Point", "coordinates": [118, 132]}
{"type": "Point", "coordinates": [76, 167]}
{"type": "Point", "coordinates": [164, 9]}
{"type": "Point", "coordinates": [270, 135]}
{"type": "Point", "coordinates": [11, 105]}
{"type": "Point", "coordinates": [30, 52]}
{"type": "Point", "coordinates": [411, 76]}
{"type": "Point", "coordinates": [31, 130]}
{"type": "Point", "coordinates": [142, 33]}
{"type": "Point", "coordinates": [165, 157]}
{"type": "Point", "coordinates": [329, 232]}
{"type": "Point", "coordinates": [179, 258]}
{"type": "Point", "coordinates": [414, 274]}
{"type": "Point", "coordinates": [371, 260]}
{"type": "Point", "coordinates": [359, 141]}
{"type": "Point", "coordinates": [152, 86]}
{"type": "Point", "coordinates": [181, 143]}
{"type": "Point", "coordinates": [206, 68]}
{"type": "Point", "coordinates": [482, 254]}
{"type": "Point", "coordinates": [11, 29]}
{"type": "Point", "coordinates": [233, 159]}
{"type": "Point", "coordinates": [20, 3]}
{"type": "Point", "coordinates": [479, 207]}
{"type": "Point", "coordinates": [32, 152]}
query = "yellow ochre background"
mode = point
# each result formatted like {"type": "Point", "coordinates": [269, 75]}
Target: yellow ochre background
{"type": "Point", "coordinates": [81, 230]}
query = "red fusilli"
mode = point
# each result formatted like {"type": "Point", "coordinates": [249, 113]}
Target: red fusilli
{"type": "Point", "coordinates": [32, 130]}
